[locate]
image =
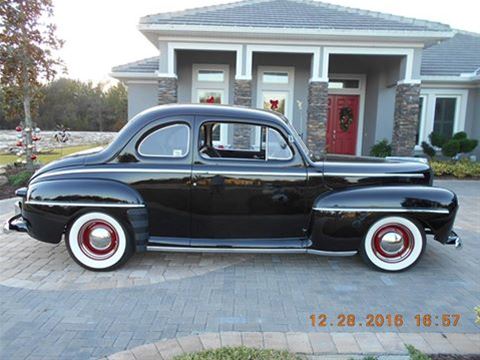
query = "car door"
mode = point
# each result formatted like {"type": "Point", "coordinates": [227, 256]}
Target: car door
{"type": "Point", "coordinates": [246, 193]}
{"type": "Point", "coordinates": [157, 163]}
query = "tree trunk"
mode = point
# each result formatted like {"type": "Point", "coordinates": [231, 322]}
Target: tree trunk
{"type": "Point", "coordinates": [28, 128]}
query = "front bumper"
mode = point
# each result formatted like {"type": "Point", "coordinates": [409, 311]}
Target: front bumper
{"type": "Point", "coordinates": [17, 222]}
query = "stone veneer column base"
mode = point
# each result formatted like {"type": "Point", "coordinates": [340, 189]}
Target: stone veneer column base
{"type": "Point", "coordinates": [317, 116]}
{"type": "Point", "coordinates": [167, 90]}
{"type": "Point", "coordinates": [242, 95]}
{"type": "Point", "coordinates": [405, 120]}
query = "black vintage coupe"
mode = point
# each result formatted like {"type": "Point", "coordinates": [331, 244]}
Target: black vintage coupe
{"type": "Point", "coordinates": [207, 178]}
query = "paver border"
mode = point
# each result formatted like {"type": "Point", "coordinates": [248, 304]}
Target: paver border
{"type": "Point", "coordinates": [333, 344]}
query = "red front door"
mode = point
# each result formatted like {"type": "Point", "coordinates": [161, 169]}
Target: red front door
{"type": "Point", "coordinates": [342, 124]}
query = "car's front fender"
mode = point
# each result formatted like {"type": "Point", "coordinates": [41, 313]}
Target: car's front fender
{"type": "Point", "coordinates": [341, 218]}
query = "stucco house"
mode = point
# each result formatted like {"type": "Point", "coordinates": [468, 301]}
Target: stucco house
{"type": "Point", "coordinates": [346, 78]}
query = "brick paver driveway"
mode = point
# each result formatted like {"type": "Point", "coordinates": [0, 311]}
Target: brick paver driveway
{"type": "Point", "coordinates": [51, 308]}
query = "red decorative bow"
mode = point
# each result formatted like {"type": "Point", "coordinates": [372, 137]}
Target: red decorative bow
{"type": "Point", "coordinates": [210, 100]}
{"type": "Point", "coordinates": [273, 104]}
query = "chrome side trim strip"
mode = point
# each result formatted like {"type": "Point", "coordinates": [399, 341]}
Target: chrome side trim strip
{"type": "Point", "coordinates": [254, 173]}
{"type": "Point", "coordinates": [106, 170]}
{"type": "Point", "coordinates": [340, 174]}
{"type": "Point", "coordinates": [398, 210]}
{"type": "Point", "coordinates": [248, 250]}
{"type": "Point", "coordinates": [171, 171]}
{"type": "Point", "coordinates": [69, 204]}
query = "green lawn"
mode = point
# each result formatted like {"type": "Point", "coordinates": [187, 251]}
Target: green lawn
{"type": "Point", "coordinates": [46, 158]}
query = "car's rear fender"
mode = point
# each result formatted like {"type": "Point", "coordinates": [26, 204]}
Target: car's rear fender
{"type": "Point", "coordinates": [50, 206]}
{"type": "Point", "coordinates": [340, 219]}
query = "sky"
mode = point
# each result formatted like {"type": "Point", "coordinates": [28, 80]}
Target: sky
{"type": "Point", "coordinates": [100, 34]}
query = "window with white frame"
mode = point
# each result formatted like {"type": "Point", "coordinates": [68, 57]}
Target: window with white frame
{"type": "Point", "coordinates": [210, 85]}
{"type": "Point", "coordinates": [275, 89]}
{"type": "Point", "coordinates": [442, 111]}
{"type": "Point", "coordinates": [444, 116]}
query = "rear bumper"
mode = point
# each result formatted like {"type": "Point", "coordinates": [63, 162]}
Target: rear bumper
{"type": "Point", "coordinates": [455, 240]}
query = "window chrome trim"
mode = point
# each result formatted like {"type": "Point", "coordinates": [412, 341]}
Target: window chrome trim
{"type": "Point", "coordinates": [397, 210]}
{"type": "Point", "coordinates": [70, 204]}
{"type": "Point", "coordinates": [161, 129]}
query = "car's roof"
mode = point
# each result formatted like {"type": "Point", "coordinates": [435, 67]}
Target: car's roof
{"type": "Point", "coordinates": [230, 111]}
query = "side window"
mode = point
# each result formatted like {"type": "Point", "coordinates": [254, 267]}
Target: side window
{"type": "Point", "coordinates": [244, 142]}
{"type": "Point", "coordinates": [169, 141]}
{"type": "Point", "coordinates": [277, 146]}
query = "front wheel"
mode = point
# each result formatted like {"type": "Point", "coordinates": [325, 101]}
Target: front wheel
{"type": "Point", "coordinates": [393, 244]}
{"type": "Point", "coordinates": [97, 241]}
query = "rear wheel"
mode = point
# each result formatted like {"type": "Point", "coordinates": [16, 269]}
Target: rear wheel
{"type": "Point", "coordinates": [393, 244]}
{"type": "Point", "coordinates": [97, 241]}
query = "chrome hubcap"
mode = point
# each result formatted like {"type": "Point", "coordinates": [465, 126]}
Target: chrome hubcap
{"type": "Point", "coordinates": [392, 242]}
{"type": "Point", "coordinates": [100, 238]}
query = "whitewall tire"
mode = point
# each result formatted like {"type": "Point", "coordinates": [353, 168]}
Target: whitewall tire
{"type": "Point", "coordinates": [97, 241]}
{"type": "Point", "coordinates": [393, 243]}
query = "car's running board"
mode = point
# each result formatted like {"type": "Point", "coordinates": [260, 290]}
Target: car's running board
{"type": "Point", "coordinates": [248, 250]}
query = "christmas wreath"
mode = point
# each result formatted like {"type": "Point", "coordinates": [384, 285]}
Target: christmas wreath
{"type": "Point", "coordinates": [346, 118]}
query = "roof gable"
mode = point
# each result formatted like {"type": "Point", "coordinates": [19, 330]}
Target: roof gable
{"type": "Point", "coordinates": [294, 14]}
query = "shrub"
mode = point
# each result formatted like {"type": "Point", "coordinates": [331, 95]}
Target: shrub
{"type": "Point", "coordinates": [468, 145]}
{"type": "Point", "coordinates": [381, 149]}
{"type": "Point", "coordinates": [459, 135]}
{"type": "Point", "coordinates": [459, 169]}
{"type": "Point", "coordinates": [437, 139]}
{"type": "Point", "coordinates": [428, 149]}
{"type": "Point", "coordinates": [20, 178]}
{"type": "Point", "coordinates": [451, 148]}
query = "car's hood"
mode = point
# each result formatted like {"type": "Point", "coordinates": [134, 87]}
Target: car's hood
{"type": "Point", "coordinates": [365, 167]}
{"type": "Point", "coordinates": [73, 160]}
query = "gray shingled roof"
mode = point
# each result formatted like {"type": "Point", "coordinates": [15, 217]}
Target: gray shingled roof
{"type": "Point", "coordinates": [460, 54]}
{"type": "Point", "coordinates": [148, 66]}
{"type": "Point", "coordinates": [296, 14]}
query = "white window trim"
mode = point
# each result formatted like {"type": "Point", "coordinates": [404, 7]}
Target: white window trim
{"type": "Point", "coordinates": [421, 127]}
{"type": "Point", "coordinates": [362, 80]}
{"type": "Point", "coordinates": [428, 116]}
{"type": "Point", "coordinates": [223, 87]}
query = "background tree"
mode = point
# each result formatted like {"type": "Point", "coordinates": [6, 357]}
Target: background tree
{"type": "Point", "coordinates": [27, 43]}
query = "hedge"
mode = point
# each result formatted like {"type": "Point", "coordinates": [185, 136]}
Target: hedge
{"type": "Point", "coordinates": [459, 169]}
